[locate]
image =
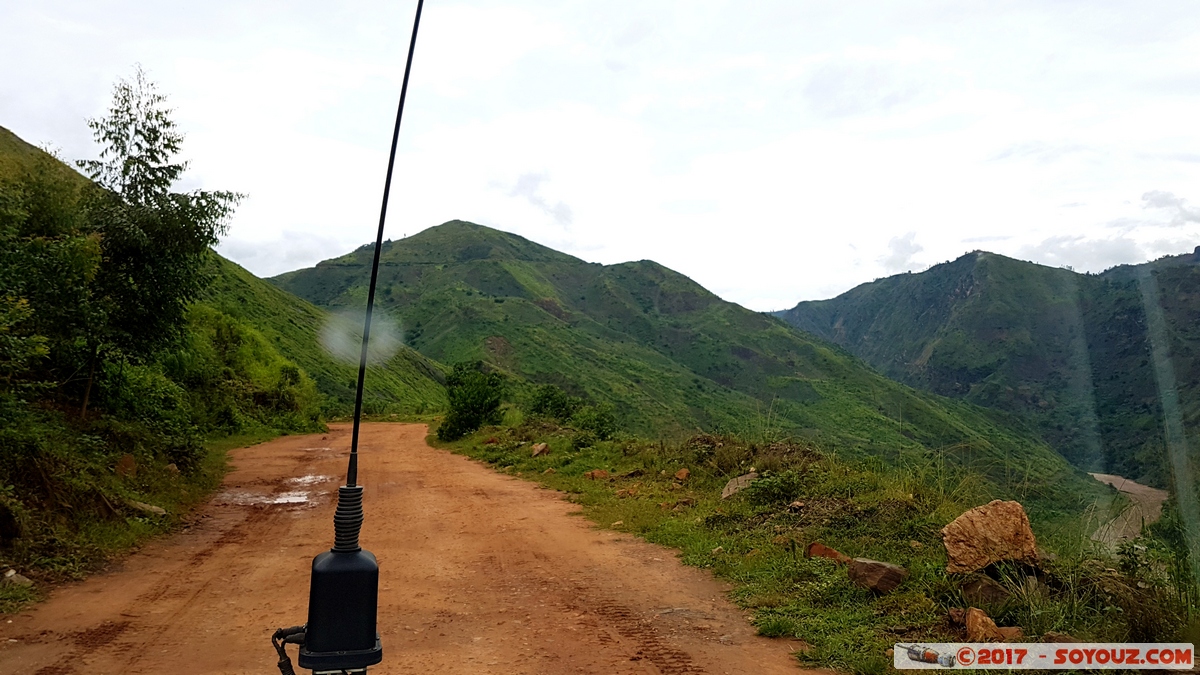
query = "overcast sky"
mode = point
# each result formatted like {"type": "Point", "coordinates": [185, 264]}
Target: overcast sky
{"type": "Point", "coordinates": [772, 151]}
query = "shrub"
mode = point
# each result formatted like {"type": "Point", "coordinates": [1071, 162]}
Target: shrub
{"type": "Point", "coordinates": [474, 400]}
{"type": "Point", "coordinates": [774, 489]}
{"type": "Point", "coordinates": [551, 401]}
{"type": "Point", "coordinates": [596, 419]}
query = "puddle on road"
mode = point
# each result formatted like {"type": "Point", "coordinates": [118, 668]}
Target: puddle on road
{"type": "Point", "coordinates": [244, 498]}
{"type": "Point", "coordinates": [311, 479]}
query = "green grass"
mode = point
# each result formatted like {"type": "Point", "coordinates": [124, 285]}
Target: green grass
{"type": "Point", "coordinates": [862, 508]}
{"type": "Point", "coordinates": [407, 384]}
{"type": "Point", "coordinates": [13, 599]}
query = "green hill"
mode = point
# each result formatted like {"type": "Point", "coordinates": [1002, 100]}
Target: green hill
{"type": "Point", "coordinates": [668, 354]}
{"type": "Point", "coordinates": [1069, 353]}
{"type": "Point", "coordinates": [407, 383]}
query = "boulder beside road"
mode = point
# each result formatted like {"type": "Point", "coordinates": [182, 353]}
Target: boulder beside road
{"type": "Point", "coordinates": [990, 533]}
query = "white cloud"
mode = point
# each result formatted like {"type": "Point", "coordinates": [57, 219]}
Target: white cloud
{"type": "Point", "coordinates": [1180, 212]}
{"type": "Point", "coordinates": [774, 151]}
{"type": "Point", "coordinates": [901, 251]}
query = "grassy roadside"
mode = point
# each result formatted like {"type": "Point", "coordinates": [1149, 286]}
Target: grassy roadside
{"type": "Point", "coordinates": [756, 539]}
{"type": "Point", "coordinates": [71, 549]}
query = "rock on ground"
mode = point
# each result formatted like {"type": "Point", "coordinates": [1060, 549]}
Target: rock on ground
{"type": "Point", "coordinates": [738, 484]}
{"type": "Point", "coordinates": [880, 577]}
{"type": "Point", "coordinates": [986, 534]}
{"type": "Point", "coordinates": [819, 550]}
{"type": "Point", "coordinates": [983, 590]}
{"type": "Point", "coordinates": [147, 508]}
{"type": "Point", "coordinates": [11, 578]}
{"type": "Point", "coordinates": [981, 628]}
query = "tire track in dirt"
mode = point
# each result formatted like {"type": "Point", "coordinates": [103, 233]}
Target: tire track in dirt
{"type": "Point", "coordinates": [480, 573]}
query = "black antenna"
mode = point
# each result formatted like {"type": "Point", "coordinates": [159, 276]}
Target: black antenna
{"type": "Point", "coordinates": [343, 596]}
{"type": "Point", "coordinates": [352, 470]}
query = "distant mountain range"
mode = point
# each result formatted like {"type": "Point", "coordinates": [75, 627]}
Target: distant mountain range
{"type": "Point", "coordinates": [669, 355]}
{"type": "Point", "coordinates": [1069, 353]}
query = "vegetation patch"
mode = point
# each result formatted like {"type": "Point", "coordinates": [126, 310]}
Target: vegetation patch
{"type": "Point", "coordinates": [757, 540]}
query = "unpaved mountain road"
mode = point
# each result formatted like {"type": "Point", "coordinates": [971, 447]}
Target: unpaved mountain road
{"type": "Point", "coordinates": [480, 573]}
{"type": "Point", "coordinates": [1145, 507]}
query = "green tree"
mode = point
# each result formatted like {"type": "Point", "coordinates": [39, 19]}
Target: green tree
{"type": "Point", "coordinates": [474, 400]}
{"type": "Point", "coordinates": [551, 401]}
{"type": "Point", "coordinates": [48, 260]}
{"type": "Point", "coordinates": [154, 242]}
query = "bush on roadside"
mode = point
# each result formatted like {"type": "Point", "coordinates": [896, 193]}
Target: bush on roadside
{"type": "Point", "coordinates": [474, 400]}
{"type": "Point", "coordinates": [551, 401]}
{"type": "Point", "coordinates": [596, 419]}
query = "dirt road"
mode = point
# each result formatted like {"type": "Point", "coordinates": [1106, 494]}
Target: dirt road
{"type": "Point", "coordinates": [480, 573]}
{"type": "Point", "coordinates": [1145, 507]}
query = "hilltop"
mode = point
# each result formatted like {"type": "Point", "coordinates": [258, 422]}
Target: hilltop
{"type": "Point", "coordinates": [1069, 353]}
{"type": "Point", "coordinates": [668, 354]}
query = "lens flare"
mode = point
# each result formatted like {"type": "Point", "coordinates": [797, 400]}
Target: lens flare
{"type": "Point", "coordinates": [341, 336]}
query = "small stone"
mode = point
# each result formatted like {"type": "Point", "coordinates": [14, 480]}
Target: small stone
{"type": "Point", "coordinates": [1010, 633]}
{"type": "Point", "coordinates": [719, 549]}
{"type": "Point", "coordinates": [958, 617]}
{"type": "Point", "coordinates": [540, 449]}
{"type": "Point", "coordinates": [890, 653]}
{"type": "Point", "coordinates": [126, 466]}
{"type": "Point", "coordinates": [819, 550]}
{"type": "Point", "coordinates": [147, 508]}
{"type": "Point", "coordinates": [171, 468]}
{"type": "Point", "coordinates": [596, 474]}
{"type": "Point", "coordinates": [11, 578]}
{"type": "Point", "coordinates": [618, 523]}
{"type": "Point", "coordinates": [550, 470]}
{"type": "Point", "coordinates": [916, 545]}
{"type": "Point", "coordinates": [682, 474]}
{"type": "Point", "coordinates": [881, 577]}
{"type": "Point", "coordinates": [627, 492]}
{"type": "Point", "coordinates": [980, 627]}
{"type": "Point", "coordinates": [795, 507]}
{"type": "Point", "coordinates": [738, 484]}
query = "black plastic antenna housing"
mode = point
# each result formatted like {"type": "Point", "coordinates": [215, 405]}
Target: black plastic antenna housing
{"type": "Point", "coordinates": [343, 597]}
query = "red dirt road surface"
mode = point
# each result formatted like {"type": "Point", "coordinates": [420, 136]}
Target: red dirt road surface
{"type": "Point", "coordinates": [480, 573]}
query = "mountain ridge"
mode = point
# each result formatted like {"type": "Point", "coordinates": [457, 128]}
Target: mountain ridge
{"type": "Point", "coordinates": [667, 353]}
{"type": "Point", "coordinates": [1067, 352]}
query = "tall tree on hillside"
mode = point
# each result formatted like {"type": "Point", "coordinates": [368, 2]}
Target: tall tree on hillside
{"type": "Point", "coordinates": [153, 242]}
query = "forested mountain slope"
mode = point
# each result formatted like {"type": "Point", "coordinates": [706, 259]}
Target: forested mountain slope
{"type": "Point", "coordinates": [1067, 352]}
{"type": "Point", "coordinates": [662, 349]}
